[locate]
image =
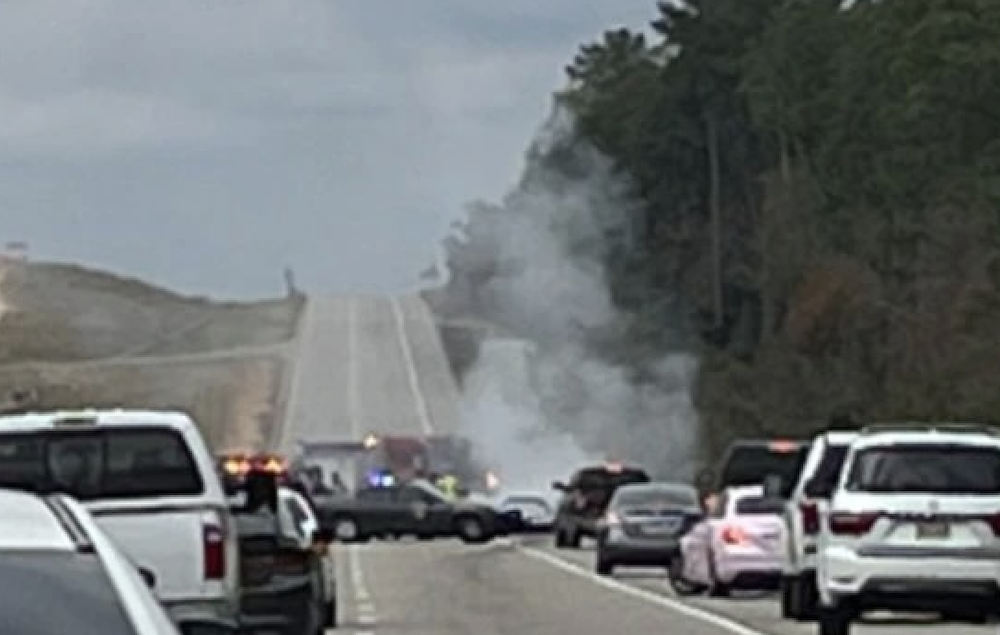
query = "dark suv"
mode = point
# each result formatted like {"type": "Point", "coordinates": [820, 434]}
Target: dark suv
{"type": "Point", "coordinates": [585, 500]}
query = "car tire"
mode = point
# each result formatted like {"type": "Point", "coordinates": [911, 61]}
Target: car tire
{"type": "Point", "coordinates": [603, 565]}
{"type": "Point", "coordinates": [471, 529]}
{"type": "Point", "coordinates": [835, 620]}
{"type": "Point", "coordinates": [330, 614]}
{"type": "Point", "coordinates": [345, 529]}
{"type": "Point", "coordinates": [560, 539]}
{"type": "Point", "coordinates": [808, 597]}
{"type": "Point", "coordinates": [682, 586]}
{"type": "Point", "coordinates": [573, 539]}
{"type": "Point", "coordinates": [791, 597]}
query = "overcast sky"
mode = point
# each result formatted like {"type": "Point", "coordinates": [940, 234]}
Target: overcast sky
{"type": "Point", "coordinates": [205, 144]}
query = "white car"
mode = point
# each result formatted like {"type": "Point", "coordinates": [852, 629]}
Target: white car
{"type": "Point", "coordinates": [294, 510]}
{"type": "Point", "coordinates": [913, 525]}
{"type": "Point", "coordinates": [804, 512]}
{"type": "Point", "coordinates": [149, 480]}
{"type": "Point", "coordinates": [537, 511]}
{"type": "Point", "coordinates": [59, 573]}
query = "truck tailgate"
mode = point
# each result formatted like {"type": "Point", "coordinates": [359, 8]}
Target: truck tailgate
{"type": "Point", "coordinates": [168, 542]}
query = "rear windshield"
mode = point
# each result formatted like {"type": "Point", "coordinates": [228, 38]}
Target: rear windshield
{"type": "Point", "coordinates": [752, 464]}
{"type": "Point", "coordinates": [102, 463]}
{"type": "Point", "coordinates": [924, 468]}
{"type": "Point", "coordinates": [57, 593]}
{"type": "Point", "coordinates": [660, 497]}
{"type": "Point", "coordinates": [607, 479]}
{"type": "Point", "coordinates": [759, 506]}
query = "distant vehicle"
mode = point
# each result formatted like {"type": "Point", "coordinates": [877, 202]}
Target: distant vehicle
{"type": "Point", "coordinates": [149, 479]}
{"type": "Point", "coordinates": [233, 466]}
{"type": "Point", "coordinates": [585, 500]}
{"type": "Point", "coordinates": [537, 513]}
{"type": "Point", "coordinates": [60, 573]}
{"type": "Point", "coordinates": [283, 568]}
{"type": "Point", "coordinates": [737, 545]}
{"type": "Point", "coordinates": [775, 463]}
{"type": "Point", "coordinates": [644, 525]}
{"type": "Point", "coordinates": [804, 513]}
{"type": "Point", "coordinates": [339, 464]}
{"type": "Point", "coordinates": [296, 512]}
{"type": "Point", "coordinates": [415, 508]}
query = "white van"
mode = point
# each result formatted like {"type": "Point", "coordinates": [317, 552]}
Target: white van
{"type": "Point", "coordinates": [149, 480]}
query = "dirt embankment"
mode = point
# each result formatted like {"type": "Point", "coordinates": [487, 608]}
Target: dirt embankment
{"type": "Point", "coordinates": [76, 337]}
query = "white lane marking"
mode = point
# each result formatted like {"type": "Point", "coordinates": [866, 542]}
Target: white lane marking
{"type": "Point", "coordinates": [366, 619]}
{"type": "Point", "coordinates": [663, 601]}
{"type": "Point", "coordinates": [411, 368]}
{"type": "Point", "coordinates": [364, 609]}
{"type": "Point", "coordinates": [352, 368]}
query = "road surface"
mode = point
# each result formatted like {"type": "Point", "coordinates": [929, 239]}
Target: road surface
{"type": "Point", "coordinates": [376, 364]}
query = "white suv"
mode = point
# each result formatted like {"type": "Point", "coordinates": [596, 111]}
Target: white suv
{"type": "Point", "coordinates": [803, 514]}
{"type": "Point", "coordinates": [913, 525]}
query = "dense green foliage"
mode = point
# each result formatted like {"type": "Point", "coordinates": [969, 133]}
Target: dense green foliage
{"type": "Point", "coordinates": [822, 197]}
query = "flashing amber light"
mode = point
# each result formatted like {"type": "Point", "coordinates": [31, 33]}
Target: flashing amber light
{"type": "Point", "coordinates": [236, 467]}
{"type": "Point", "coordinates": [273, 465]}
{"type": "Point", "coordinates": [370, 441]}
{"type": "Point", "coordinates": [783, 446]}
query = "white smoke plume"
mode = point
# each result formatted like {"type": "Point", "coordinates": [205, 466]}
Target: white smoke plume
{"type": "Point", "coordinates": [540, 410]}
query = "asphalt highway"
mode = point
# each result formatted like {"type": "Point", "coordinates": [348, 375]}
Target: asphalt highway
{"type": "Point", "coordinates": [375, 365]}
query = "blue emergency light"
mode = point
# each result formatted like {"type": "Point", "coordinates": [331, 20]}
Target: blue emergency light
{"type": "Point", "coordinates": [381, 478]}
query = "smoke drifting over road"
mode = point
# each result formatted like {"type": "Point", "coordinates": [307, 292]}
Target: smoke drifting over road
{"type": "Point", "coordinates": [539, 410]}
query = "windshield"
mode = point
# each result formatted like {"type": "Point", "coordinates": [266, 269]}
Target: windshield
{"type": "Point", "coordinates": [57, 593]}
{"type": "Point", "coordinates": [100, 463]}
{"type": "Point", "coordinates": [752, 464]}
{"type": "Point", "coordinates": [759, 506]}
{"type": "Point", "coordinates": [655, 497]}
{"type": "Point", "coordinates": [921, 468]}
{"type": "Point", "coordinates": [601, 478]}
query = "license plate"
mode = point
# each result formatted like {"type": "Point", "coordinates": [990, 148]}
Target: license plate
{"type": "Point", "coordinates": [660, 528]}
{"type": "Point", "coordinates": [931, 530]}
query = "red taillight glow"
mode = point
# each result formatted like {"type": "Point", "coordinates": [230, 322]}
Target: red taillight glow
{"type": "Point", "coordinates": [733, 535]}
{"type": "Point", "coordinates": [810, 518]}
{"type": "Point", "coordinates": [852, 523]}
{"type": "Point", "coordinates": [214, 546]}
{"type": "Point", "coordinates": [994, 522]}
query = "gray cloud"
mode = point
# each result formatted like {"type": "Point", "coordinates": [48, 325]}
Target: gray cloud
{"type": "Point", "coordinates": [207, 144]}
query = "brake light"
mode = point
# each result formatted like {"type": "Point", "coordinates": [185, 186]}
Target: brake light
{"type": "Point", "coordinates": [810, 518]}
{"type": "Point", "coordinates": [783, 446]}
{"type": "Point", "coordinates": [214, 547]}
{"type": "Point", "coordinates": [733, 535]}
{"type": "Point", "coordinates": [994, 522]}
{"type": "Point", "coordinates": [292, 563]}
{"type": "Point", "coordinates": [852, 523]}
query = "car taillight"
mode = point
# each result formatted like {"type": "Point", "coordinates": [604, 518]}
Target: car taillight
{"type": "Point", "coordinates": [993, 521]}
{"type": "Point", "coordinates": [810, 517]}
{"type": "Point", "coordinates": [733, 535]}
{"type": "Point", "coordinates": [292, 562]}
{"type": "Point", "coordinates": [852, 523]}
{"type": "Point", "coordinates": [214, 547]}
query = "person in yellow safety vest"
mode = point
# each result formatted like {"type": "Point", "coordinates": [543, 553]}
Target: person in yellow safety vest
{"type": "Point", "coordinates": [448, 484]}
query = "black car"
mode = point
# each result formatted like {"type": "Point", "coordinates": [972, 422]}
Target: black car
{"type": "Point", "coordinates": [282, 586]}
{"type": "Point", "coordinates": [417, 509]}
{"type": "Point", "coordinates": [758, 462]}
{"type": "Point", "coordinates": [585, 500]}
{"type": "Point", "coordinates": [644, 525]}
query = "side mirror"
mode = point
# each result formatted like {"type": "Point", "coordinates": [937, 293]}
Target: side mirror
{"type": "Point", "coordinates": [559, 486]}
{"type": "Point", "coordinates": [773, 486]}
{"type": "Point", "coordinates": [148, 577]}
{"type": "Point", "coordinates": [207, 625]}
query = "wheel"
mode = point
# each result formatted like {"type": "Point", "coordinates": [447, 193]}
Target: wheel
{"type": "Point", "coordinates": [790, 597]}
{"type": "Point", "coordinates": [345, 529]}
{"type": "Point", "coordinates": [573, 539]}
{"type": "Point", "coordinates": [560, 539]}
{"type": "Point", "coordinates": [681, 585]}
{"type": "Point", "coordinates": [971, 616]}
{"type": "Point", "coordinates": [835, 620]}
{"type": "Point", "coordinates": [330, 615]}
{"type": "Point", "coordinates": [717, 589]}
{"type": "Point", "coordinates": [808, 596]}
{"type": "Point", "coordinates": [470, 529]}
{"type": "Point", "coordinates": [602, 564]}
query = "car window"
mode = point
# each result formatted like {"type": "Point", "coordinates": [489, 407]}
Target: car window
{"type": "Point", "coordinates": [100, 463]}
{"type": "Point", "coordinates": [413, 494]}
{"type": "Point", "coordinates": [750, 464]}
{"type": "Point", "coordinates": [656, 497]}
{"type": "Point", "coordinates": [759, 506]}
{"type": "Point", "coordinates": [55, 593]}
{"type": "Point", "coordinates": [925, 468]}
{"type": "Point", "coordinates": [377, 494]}
{"type": "Point", "coordinates": [828, 471]}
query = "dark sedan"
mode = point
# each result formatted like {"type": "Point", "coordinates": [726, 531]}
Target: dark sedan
{"type": "Point", "coordinates": [644, 524]}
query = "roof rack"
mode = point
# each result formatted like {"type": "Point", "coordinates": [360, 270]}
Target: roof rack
{"type": "Point", "coordinates": [962, 428]}
{"type": "Point", "coordinates": [70, 523]}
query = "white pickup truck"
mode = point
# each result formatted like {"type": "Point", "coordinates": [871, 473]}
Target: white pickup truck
{"type": "Point", "coordinates": [149, 480]}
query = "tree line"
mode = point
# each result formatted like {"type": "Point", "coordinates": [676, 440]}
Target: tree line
{"type": "Point", "coordinates": [820, 189]}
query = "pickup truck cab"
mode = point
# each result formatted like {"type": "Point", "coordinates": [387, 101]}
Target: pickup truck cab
{"type": "Point", "coordinates": [148, 479]}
